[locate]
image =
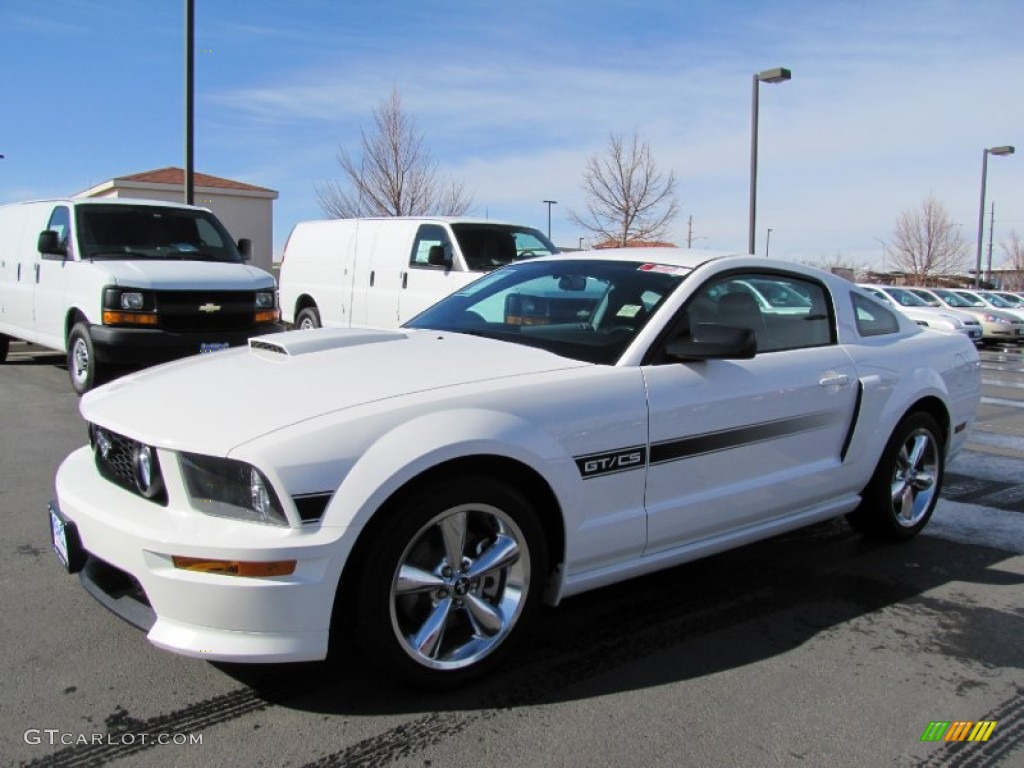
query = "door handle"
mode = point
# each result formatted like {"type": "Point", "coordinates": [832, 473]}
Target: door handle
{"type": "Point", "coordinates": [405, 280]}
{"type": "Point", "coordinates": [834, 380]}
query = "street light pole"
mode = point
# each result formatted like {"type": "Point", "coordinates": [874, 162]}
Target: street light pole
{"type": "Point", "coordinates": [777, 75]}
{"type": "Point", "coordinates": [1004, 150]}
{"type": "Point", "coordinates": [549, 203]}
{"type": "Point", "coordinates": [190, 88]}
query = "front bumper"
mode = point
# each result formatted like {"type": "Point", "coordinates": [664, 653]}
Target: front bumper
{"type": "Point", "coordinates": [127, 544]}
{"type": "Point", "coordinates": [146, 346]}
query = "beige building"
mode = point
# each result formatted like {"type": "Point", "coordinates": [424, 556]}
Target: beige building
{"type": "Point", "coordinates": [246, 210]}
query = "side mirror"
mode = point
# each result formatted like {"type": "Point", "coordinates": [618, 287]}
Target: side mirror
{"type": "Point", "coordinates": [245, 248]}
{"type": "Point", "coordinates": [711, 341]}
{"type": "Point", "coordinates": [49, 242]}
{"type": "Point", "coordinates": [438, 256]}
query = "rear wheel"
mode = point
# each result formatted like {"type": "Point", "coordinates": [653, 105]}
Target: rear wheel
{"type": "Point", "coordinates": [308, 318]}
{"type": "Point", "coordinates": [451, 581]}
{"type": "Point", "coordinates": [901, 496]}
{"type": "Point", "coordinates": [5, 345]}
{"type": "Point", "coordinates": [81, 359]}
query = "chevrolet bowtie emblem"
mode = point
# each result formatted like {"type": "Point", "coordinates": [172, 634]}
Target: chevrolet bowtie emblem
{"type": "Point", "coordinates": [209, 307]}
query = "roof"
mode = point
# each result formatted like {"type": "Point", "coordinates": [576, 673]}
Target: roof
{"type": "Point", "coordinates": [176, 176]}
{"type": "Point", "coordinates": [685, 257]}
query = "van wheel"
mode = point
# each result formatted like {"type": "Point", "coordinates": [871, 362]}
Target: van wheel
{"type": "Point", "coordinates": [308, 318]}
{"type": "Point", "coordinates": [81, 359]}
{"type": "Point", "coordinates": [451, 581]}
{"type": "Point", "coordinates": [5, 345]}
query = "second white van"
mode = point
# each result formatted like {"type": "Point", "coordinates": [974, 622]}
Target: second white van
{"type": "Point", "coordinates": [380, 272]}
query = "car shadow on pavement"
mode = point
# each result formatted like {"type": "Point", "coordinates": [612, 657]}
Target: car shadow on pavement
{"type": "Point", "coordinates": [720, 613]}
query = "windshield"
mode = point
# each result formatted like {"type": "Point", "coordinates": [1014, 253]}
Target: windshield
{"type": "Point", "coordinates": [153, 232]}
{"type": "Point", "coordinates": [1010, 299]}
{"type": "Point", "coordinates": [905, 298]}
{"type": "Point", "coordinates": [955, 299]}
{"type": "Point", "coordinates": [997, 301]}
{"type": "Point", "coordinates": [971, 299]}
{"type": "Point", "coordinates": [584, 309]}
{"type": "Point", "coordinates": [487, 246]}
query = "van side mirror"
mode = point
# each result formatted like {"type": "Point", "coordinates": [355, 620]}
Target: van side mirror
{"type": "Point", "coordinates": [438, 256]}
{"type": "Point", "coordinates": [245, 248]}
{"type": "Point", "coordinates": [49, 242]}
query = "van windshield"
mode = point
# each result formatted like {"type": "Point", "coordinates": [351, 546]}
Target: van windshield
{"type": "Point", "coordinates": [488, 246]}
{"type": "Point", "coordinates": [152, 232]}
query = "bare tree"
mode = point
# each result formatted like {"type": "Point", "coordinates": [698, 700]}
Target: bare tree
{"type": "Point", "coordinates": [629, 199]}
{"type": "Point", "coordinates": [926, 242]}
{"type": "Point", "coordinates": [1014, 265]}
{"type": "Point", "coordinates": [394, 176]}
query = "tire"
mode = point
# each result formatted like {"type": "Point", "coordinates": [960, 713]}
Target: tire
{"type": "Point", "coordinates": [899, 500]}
{"type": "Point", "coordinates": [82, 365]}
{"type": "Point", "coordinates": [5, 345]}
{"type": "Point", "coordinates": [434, 623]}
{"type": "Point", "coordinates": [308, 318]}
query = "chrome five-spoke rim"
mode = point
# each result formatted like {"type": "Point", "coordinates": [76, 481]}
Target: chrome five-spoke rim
{"type": "Point", "coordinates": [80, 360]}
{"type": "Point", "coordinates": [460, 586]}
{"type": "Point", "coordinates": [915, 477]}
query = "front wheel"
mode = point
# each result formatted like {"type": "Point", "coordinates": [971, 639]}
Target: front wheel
{"type": "Point", "coordinates": [452, 580]}
{"type": "Point", "coordinates": [81, 359]}
{"type": "Point", "coordinates": [899, 500]}
{"type": "Point", "coordinates": [308, 318]}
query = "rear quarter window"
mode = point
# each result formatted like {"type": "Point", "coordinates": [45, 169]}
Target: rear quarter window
{"type": "Point", "coordinates": [872, 318]}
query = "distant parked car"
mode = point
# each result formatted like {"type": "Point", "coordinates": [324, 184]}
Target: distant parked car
{"type": "Point", "coordinates": [983, 298]}
{"type": "Point", "coordinates": [996, 324]}
{"type": "Point", "coordinates": [936, 318]}
{"type": "Point", "coordinates": [561, 424]}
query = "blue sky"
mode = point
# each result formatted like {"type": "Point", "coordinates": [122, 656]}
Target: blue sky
{"type": "Point", "coordinates": [890, 102]}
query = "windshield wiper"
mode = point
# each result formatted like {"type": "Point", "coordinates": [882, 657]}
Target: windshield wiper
{"type": "Point", "coordinates": [124, 254]}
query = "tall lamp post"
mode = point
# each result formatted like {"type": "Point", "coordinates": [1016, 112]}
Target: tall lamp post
{"type": "Point", "coordinates": [777, 75]}
{"type": "Point", "coordinates": [1004, 150]}
{"type": "Point", "coordinates": [549, 203]}
{"type": "Point", "coordinates": [190, 90]}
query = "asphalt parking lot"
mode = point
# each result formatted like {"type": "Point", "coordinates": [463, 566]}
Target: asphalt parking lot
{"type": "Point", "coordinates": [814, 648]}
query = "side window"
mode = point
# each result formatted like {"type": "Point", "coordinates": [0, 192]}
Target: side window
{"type": "Point", "coordinates": [430, 236]}
{"type": "Point", "coordinates": [60, 222]}
{"type": "Point", "coordinates": [872, 318]}
{"type": "Point", "coordinates": [784, 311]}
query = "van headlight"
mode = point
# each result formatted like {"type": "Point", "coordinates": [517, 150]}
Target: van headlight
{"type": "Point", "coordinates": [230, 488]}
{"type": "Point", "coordinates": [265, 300]}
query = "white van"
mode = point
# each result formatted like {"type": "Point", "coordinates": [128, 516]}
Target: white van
{"type": "Point", "coordinates": [382, 272]}
{"type": "Point", "coordinates": [126, 282]}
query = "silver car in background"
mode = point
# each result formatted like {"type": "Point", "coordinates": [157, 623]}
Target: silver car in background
{"type": "Point", "coordinates": [918, 310]}
{"type": "Point", "coordinates": [996, 324]}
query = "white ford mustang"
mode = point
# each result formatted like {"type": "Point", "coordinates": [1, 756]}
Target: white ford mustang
{"type": "Point", "coordinates": [561, 424]}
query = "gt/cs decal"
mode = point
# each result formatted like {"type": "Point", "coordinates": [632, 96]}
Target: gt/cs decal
{"type": "Point", "coordinates": [612, 461]}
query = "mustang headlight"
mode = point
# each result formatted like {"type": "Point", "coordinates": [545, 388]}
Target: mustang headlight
{"type": "Point", "coordinates": [230, 488]}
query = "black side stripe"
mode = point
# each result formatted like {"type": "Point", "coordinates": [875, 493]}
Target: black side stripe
{"type": "Point", "coordinates": [624, 459]}
{"type": "Point", "coordinates": [712, 442]}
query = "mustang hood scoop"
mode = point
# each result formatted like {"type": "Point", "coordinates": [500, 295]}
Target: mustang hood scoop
{"type": "Point", "coordinates": [303, 342]}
